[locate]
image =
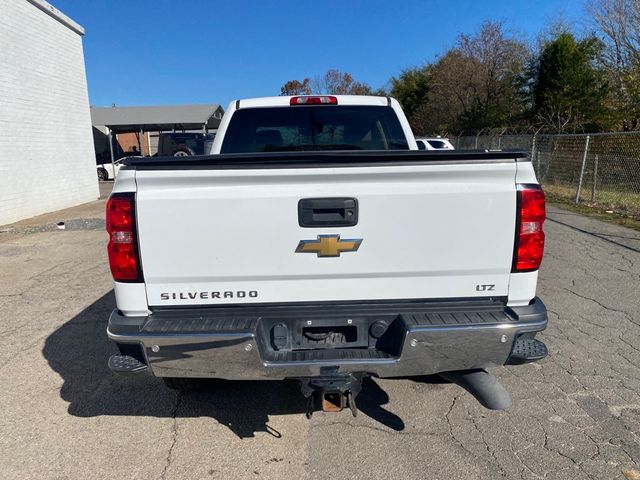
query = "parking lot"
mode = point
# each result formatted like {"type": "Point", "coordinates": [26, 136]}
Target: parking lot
{"type": "Point", "coordinates": [64, 416]}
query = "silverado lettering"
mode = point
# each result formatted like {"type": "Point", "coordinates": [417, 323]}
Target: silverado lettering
{"type": "Point", "coordinates": [208, 295]}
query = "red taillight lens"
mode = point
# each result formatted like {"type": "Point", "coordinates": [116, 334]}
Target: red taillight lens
{"type": "Point", "coordinates": [122, 247]}
{"type": "Point", "coordinates": [319, 100]}
{"type": "Point", "coordinates": [529, 245]}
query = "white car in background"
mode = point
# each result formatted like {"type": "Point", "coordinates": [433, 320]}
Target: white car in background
{"type": "Point", "coordinates": [108, 170]}
{"type": "Point", "coordinates": [434, 143]}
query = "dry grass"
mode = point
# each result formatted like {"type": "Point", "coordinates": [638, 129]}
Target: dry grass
{"type": "Point", "coordinates": [616, 207]}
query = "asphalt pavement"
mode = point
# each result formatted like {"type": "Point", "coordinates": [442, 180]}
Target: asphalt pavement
{"type": "Point", "coordinates": [575, 415]}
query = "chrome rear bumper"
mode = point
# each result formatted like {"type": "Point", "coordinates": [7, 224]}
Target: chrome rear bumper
{"type": "Point", "coordinates": [235, 343]}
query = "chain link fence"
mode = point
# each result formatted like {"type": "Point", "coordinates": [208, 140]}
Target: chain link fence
{"type": "Point", "coordinates": [601, 169]}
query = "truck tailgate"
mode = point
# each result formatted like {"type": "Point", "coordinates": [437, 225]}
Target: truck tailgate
{"type": "Point", "coordinates": [427, 231]}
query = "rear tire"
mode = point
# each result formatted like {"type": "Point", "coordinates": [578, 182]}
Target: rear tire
{"type": "Point", "coordinates": [102, 174]}
{"type": "Point", "coordinates": [186, 384]}
{"type": "Point", "coordinates": [183, 152]}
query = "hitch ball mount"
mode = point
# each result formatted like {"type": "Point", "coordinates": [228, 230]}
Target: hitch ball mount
{"type": "Point", "coordinates": [332, 393]}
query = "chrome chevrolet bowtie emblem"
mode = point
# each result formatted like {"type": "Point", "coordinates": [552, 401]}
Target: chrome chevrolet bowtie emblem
{"type": "Point", "coordinates": [329, 245]}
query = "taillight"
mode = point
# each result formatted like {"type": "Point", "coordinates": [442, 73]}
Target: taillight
{"type": "Point", "coordinates": [318, 100]}
{"type": "Point", "coordinates": [529, 241]}
{"type": "Point", "coordinates": [122, 247]}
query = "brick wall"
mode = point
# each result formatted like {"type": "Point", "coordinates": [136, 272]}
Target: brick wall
{"type": "Point", "coordinates": [47, 160]}
{"type": "Point", "coordinates": [128, 140]}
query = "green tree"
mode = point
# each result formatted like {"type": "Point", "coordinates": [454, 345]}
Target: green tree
{"type": "Point", "coordinates": [568, 90]}
{"type": "Point", "coordinates": [410, 88]}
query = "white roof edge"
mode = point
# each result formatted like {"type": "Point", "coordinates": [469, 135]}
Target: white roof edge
{"type": "Point", "coordinates": [283, 100]}
{"type": "Point", "coordinates": [53, 12]}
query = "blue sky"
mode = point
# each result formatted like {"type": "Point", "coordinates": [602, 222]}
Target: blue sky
{"type": "Point", "coordinates": [157, 52]}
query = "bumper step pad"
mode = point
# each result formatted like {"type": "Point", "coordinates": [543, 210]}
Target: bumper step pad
{"type": "Point", "coordinates": [126, 364]}
{"type": "Point", "coordinates": [527, 350]}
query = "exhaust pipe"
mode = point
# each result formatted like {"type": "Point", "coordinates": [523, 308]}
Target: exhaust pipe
{"type": "Point", "coordinates": [482, 385]}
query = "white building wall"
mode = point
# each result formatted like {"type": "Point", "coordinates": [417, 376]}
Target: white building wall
{"type": "Point", "coordinates": [47, 161]}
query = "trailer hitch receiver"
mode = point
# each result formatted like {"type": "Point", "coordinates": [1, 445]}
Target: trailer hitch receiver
{"type": "Point", "coordinates": [332, 393]}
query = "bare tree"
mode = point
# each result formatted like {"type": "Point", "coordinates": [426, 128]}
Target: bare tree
{"type": "Point", "coordinates": [555, 119]}
{"type": "Point", "coordinates": [618, 24]}
{"type": "Point", "coordinates": [498, 60]}
{"type": "Point", "coordinates": [332, 82]}
{"type": "Point", "coordinates": [339, 83]}
{"type": "Point", "coordinates": [474, 84]}
{"type": "Point", "coordinates": [454, 93]}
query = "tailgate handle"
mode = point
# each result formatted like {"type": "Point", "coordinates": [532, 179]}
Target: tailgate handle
{"type": "Point", "coordinates": [328, 212]}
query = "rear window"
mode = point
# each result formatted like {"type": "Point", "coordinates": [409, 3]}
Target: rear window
{"type": "Point", "coordinates": [438, 144]}
{"type": "Point", "coordinates": [282, 129]}
{"type": "Point", "coordinates": [194, 142]}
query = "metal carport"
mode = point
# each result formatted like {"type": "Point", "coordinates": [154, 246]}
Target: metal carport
{"type": "Point", "coordinates": [155, 119]}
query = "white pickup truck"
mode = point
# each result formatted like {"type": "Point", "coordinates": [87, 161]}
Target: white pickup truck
{"type": "Point", "coordinates": [317, 243]}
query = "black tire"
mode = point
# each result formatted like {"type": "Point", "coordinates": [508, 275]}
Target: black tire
{"type": "Point", "coordinates": [185, 384]}
{"type": "Point", "coordinates": [102, 174]}
{"type": "Point", "coordinates": [183, 152]}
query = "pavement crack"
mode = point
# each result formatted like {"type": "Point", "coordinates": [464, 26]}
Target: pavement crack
{"type": "Point", "coordinates": [447, 417]}
{"type": "Point", "coordinates": [375, 428]}
{"type": "Point", "coordinates": [629, 344]}
{"type": "Point", "coordinates": [36, 276]}
{"type": "Point", "coordinates": [546, 446]}
{"type": "Point", "coordinates": [486, 445]}
{"type": "Point", "coordinates": [174, 436]}
{"type": "Point", "coordinates": [606, 307]}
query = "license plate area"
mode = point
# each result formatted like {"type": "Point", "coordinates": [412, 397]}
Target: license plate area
{"type": "Point", "coordinates": [328, 332]}
{"type": "Point", "coordinates": [312, 334]}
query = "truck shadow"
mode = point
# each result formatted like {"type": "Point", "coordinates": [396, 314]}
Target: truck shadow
{"type": "Point", "coordinates": [78, 352]}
